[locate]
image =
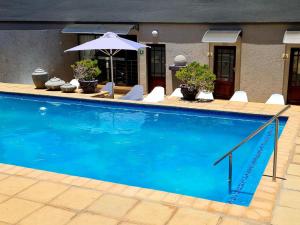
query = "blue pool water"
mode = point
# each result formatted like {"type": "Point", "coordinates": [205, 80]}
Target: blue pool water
{"type": "Point", "coordinates": [163, 148]}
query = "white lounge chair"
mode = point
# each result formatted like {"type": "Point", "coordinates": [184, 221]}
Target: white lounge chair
{"type": "Point", "coordinates": [156, 95]}
{"type": "Point", "coordinates": [135, 94]}
{"type": "Point", "coordinates": [239, 96]}
{"type": "Point", "coordinates": [107, 88]}
{"type": "Point", "coordinates": [177, 93]}
{"type": "Point", "coordinates": [205, 96]}
{"type": "Point", "coordinates": [75, 83]}
{"type": "Point", "coordinates": [277, 99]}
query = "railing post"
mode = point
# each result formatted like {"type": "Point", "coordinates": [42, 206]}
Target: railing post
{"type": "Point", "coordinates": [230, 173]}
{"type": "Point", "coordinates": [275, 149]}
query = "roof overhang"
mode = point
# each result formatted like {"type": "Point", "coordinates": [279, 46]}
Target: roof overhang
{"type": "Point", "coordinates": [98, 28]}
{"type": "Point", "coordinates": [291, 37]}
{"type": "Point", "coordinates": [221, 36]}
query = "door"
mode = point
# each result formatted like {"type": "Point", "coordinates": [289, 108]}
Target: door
{"type": "Point", "coordinates": [293, 96]}
{"type": "Point", "coordinates": [156, 66]}
{"type": "Point", "coordinates": [224, 69]}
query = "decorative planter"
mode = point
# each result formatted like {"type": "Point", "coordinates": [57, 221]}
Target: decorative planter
{"type": "Point", "coordinates": [54, 84]}
{"type": "Point", "coordinates": [39, 78]}
{"type": "Point", "coordinates": [68, 88]}
{"type": "Point", "coordinates": [189, 93]}
{"type": "Point", "coordinates": [88, 86]}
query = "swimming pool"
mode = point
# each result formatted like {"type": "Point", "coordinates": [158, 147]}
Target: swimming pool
{"type": "Point", "coordinates": [163, 148]}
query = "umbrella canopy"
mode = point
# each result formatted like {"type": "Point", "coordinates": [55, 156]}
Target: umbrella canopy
{"type": "Point", "coordinates": [110, 43]}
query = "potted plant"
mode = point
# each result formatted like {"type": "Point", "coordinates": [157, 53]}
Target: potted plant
{"type": "Point", "coordinates": [86, 71]}
{"type": "Point", "coordinates": [195, 77]}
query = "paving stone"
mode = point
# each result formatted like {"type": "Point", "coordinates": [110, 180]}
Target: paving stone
{"type": "Point", "coordinates": [150, 213]}
{"type": "Point", "coordinates": [48, 216]}
{"type": "Point", "coordinates": [296, 159]}
{"type": "Point", "coordinates": [3, 176]}
{"type": "Point", "coordinates": [294, 169]}
{"type": "Point", "coordinates": [112, 205]}
{"type": "Point", "coordinates": [236, 210]}
{"type": "Point", "coordinates": [76, 198]}
{"type": "Point", "coordinates": [286, 216]}
{"type": "Point", "coordinates": [125, 223]}
{"type": "Point", "coordinates": [13, 210]}
{"type": "Point", "coordinates": [13, 185]}
{"type": "Point", "coordinates": [226, 221]}
{"type": "Point", "coordinates": [3, 197]}
{"type": "Point", "coordinates": [186, 216]}
{"type": "Point", "coordinates": [292, 182]}
{"type": "Point", "coordinates": [90, 219]}
{"type": "Point", "coordinates": [43, 191]}
{"type": "Point", "coordinates": [290, 199]}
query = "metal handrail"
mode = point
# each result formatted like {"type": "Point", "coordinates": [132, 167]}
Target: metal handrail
{"type": "Point", "coordinates": [253, 134]}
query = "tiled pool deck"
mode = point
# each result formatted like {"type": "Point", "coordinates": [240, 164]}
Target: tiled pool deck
{"type": "Point", "coordinates": [35, 197]}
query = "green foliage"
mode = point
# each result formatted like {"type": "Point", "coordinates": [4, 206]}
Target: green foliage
{"type": "Point", "coordinates": [86, 69]}
{"type": "Point", "coordinates": [197, 76]}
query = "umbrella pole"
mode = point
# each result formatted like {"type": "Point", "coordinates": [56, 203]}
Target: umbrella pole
{"type": "Point", "coordinates": [112, 74]}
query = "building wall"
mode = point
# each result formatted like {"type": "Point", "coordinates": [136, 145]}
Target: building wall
{"type": "Point", "coordinates": [22, 51]}
{"type": "Point", "coordinates": [262, 70]}
{"type": "Point", "coordinates": [179, 40]}
{"type": "Point", "coordinates": [262, 66]}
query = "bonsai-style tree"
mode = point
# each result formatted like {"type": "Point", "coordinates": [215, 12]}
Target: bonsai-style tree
{"type": "Point", "coordinates": [197, 76]}
{"type": "Point", "coordinates": [86, 70]}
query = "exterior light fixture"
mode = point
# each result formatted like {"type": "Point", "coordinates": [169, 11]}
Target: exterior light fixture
{"type": "Point", "coordinates": [155, 33]}
{"type": "Point", "coordinates": [284, 56]}
{"type": "Point", "coordinates": [209, 54]}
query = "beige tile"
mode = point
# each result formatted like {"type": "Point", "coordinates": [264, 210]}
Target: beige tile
{"type": "Point", "coordinates": [262, 204]}
{"type": "Point", "coordinates": [292, 182]}
{"type": "Point", "coordinates": [112, 205]}
{"type": "Point", "coordinates": [186, 216]}
{"type": "Point", "coordinates": [290, 199]}
{"type": "Point", "coordinates": [296, 158]}
{"type": "Point", "coordinates": [90, 219]}
{"type": "Point", "coordinates": [13, 185]}
{"type": "Point", "coordinates": [125, 223]}
{"type": "Point", "coordinates": [13, 210]}
{"type": "Point", "coordinates": [2, 223]}
{"type": "Point", "coordinates": [150, 213]}
{"type": "Point", "coordinates": [171, 198]}
{"type": "Point", "coordinates": [48, 216]}
{"type": "Point", "coordinates": [76, 198]}
{"type": "Point", "coordinates": [286, 216]}
{"type": "Point", "coordinates": [236, 210]}
{"type": "Point", "coordinates": [43, 191]}
{"type": "Point", "coordinates": [294, 169]}
{"type": "Point", "coordinates": [3, 176]}
{"type": "Point", "coordinates": [14, 170]}
{"type": "Point", "coordinates": [201, 204]}
{"type": "Point", "coordinates": [3, 197]}
{"type": "Point", "coordinates": [227, 221]}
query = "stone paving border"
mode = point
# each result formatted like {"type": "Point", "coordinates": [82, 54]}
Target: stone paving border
{"type": "Point", "coordinates": [75, 199]}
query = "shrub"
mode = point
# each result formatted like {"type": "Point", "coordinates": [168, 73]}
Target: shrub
{"type": "Point", "coordinates": [86, 69]}
{"type": "Point", "coordinates": [197, 76]}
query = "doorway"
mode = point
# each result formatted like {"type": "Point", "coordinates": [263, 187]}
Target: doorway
{"type": "Point", "coordinates": [156, 66]}
{"type": "Point", "coordinates": [224, 69]}
{"type": "Point", "coordinates": [293, 95]}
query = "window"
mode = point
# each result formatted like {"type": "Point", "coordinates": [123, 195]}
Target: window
{"type": "Point", "coordinates": [295, 67]}
{"type": "Point", "coordinates": [124, 62]}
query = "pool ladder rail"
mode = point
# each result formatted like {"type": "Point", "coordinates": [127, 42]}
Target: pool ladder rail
{"type": "Point", "coordinates": [261, 128]}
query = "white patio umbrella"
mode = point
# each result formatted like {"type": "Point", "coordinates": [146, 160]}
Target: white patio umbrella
{"type": "Point", "coordinates": [110, 44]}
